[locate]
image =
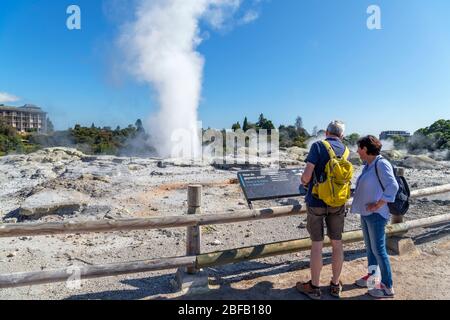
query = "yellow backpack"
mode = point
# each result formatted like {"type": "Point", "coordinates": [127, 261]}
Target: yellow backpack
{"type": "Point", "coordinates": [335, 190]}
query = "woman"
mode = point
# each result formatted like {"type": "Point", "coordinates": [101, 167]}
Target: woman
{"type": "Point", "coordinates": [370, 201]}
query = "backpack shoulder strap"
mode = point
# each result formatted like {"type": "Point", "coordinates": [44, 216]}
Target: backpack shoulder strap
{"type": "Point", "coordinates": [346, 153]}
{"type": "Point", "coordinates": [329, 149]}
{"type": "Point", "coordinates": [378, 175]}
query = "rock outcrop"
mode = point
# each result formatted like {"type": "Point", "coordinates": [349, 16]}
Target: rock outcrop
{"type": "Point", "coordinates": [420, 162]}
{"type": "Point", "coordinates": [394, 155]}
{"type": "Point", "coordinates": [296, 153]}
{"type": "Point", "coordinates": [49, 202]}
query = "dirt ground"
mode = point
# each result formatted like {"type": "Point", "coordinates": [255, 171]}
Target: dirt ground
{"type": "Point", "coordinates": [420, 275]}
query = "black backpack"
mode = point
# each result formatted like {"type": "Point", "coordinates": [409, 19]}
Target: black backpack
{"type": "Point", "coordinates": [401, 204]}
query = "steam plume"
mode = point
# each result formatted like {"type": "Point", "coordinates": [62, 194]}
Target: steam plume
{"type": "Point", "coordinates": [161, 50]}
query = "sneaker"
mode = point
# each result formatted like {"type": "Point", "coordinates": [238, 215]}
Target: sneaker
{"type": "Point", "coordinates": [308, 290]}
{"type": "Point", "coordinates": [336, 289]}
{"type": "Point", "coordinates": [362, 283]}
{"type": "Point", "coordinates": [382, 291]}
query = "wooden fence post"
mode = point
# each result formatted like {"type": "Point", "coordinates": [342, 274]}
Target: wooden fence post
{"type": "Point", "coordinates": [193, 239]}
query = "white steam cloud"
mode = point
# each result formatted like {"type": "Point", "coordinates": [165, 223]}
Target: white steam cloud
{"type": "Point", "coordinates": [6, 97]}
{"type": "Point", "coordinates": [249, 17]}
{"type": "Point", "coordinates": [388, 145]}
{"type": "Point", "coordinates": [161, 50]}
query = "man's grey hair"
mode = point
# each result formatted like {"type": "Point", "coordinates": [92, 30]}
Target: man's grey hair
{"type": "Point", "coordinates": [336, 128]}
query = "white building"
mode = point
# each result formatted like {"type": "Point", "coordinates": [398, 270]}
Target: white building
{"type": "Point", "coordinates": [388, 134]}
{"type": "Point", "coordinates": [24, 119]}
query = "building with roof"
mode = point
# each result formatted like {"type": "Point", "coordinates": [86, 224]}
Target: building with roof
{"type": "Point", "coordinates": [389, 134]}
{"type": "Point", "coordinates": [24, 119]}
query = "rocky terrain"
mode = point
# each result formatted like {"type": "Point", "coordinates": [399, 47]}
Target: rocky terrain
{"type": "Point", "coordinates": [61, 184]}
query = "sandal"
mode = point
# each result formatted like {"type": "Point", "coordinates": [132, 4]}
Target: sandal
{"type": "Point", "coordinates": [336, 289]}
{"type": "Point", "coordinates": [308, 290]}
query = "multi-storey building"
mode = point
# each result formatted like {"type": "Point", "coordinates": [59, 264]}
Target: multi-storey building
{"type": "Point", "coordinates": [387, 134]}
{"type": "Point", "coordinates": [24, 119]}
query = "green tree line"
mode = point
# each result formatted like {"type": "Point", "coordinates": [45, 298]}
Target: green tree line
{"type": "Point", "coordinates": [132, 140]}
{"type": "Point", "coordinates": [433, 138]}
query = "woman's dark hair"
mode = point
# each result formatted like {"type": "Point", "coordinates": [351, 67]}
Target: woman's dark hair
{"type": "Point", "coordinates": [372, 144]}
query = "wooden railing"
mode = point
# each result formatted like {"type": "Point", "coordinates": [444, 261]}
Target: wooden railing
{"type": "Point", "coordinates": [194, 259]}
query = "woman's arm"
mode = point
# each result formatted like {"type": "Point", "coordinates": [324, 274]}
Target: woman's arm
{"type": "Point", "coordinates": [387, 177]}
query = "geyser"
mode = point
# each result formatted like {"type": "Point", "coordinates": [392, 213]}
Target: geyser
{"type": "Point", "coordinates": [161, 50]}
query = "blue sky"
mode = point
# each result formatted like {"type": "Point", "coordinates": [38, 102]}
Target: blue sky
{"type": "Point", "coordinates": [313, 58]}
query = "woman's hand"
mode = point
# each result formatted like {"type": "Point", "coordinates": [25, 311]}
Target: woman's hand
{"type": "Point", "coordinates": [373, 207]}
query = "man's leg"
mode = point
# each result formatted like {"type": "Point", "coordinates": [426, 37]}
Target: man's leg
{"type": "Point", "coordinates": [337, 260]}
{"type": "Point", "coordinates": [316, 262]}
{"type": "Point", "coordinates": [315, 225]}
{"type": "Point", "coordinates": [335, 225]}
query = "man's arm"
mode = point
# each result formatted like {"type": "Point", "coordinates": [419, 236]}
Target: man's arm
{"type": "Point", "coordinates": [308, 173]}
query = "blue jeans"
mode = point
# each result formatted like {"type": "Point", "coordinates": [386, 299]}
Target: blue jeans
{"type": "Point", "coordinates": [373, 227]}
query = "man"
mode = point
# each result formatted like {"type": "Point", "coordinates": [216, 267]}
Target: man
{"type": "Point", "coordinates": [318, 213]}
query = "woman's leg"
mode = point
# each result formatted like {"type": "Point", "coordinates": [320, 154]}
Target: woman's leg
{"type": "Point", "coordinates": [371, 259]}
{"type": "Point", "coordinates": [378, 244]}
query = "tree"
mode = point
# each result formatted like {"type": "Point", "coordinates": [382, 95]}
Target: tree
{"type": "Point", "coordinates": [264, 123]}
{"type": "Point", "coordinates": [399, 141]}
{"type": "Point", "coordinates": [314, 132]}
{"type": "Point", "coordinates": [9, 139]}
{"type": "Point", "coordinates": [245, 126]}
{"type": "Point", "coordinates": [139, 126]}
{"type": "Point", "coordinates": [268, 125]}
{"type": "Point", "coordinates": [236, 126]}
{"type": "Point", "coordinates": [299, 123]}
{"type": "Point", "coordinates": [352, 139]}
{"type": "Point", "coordinates": [300, 142]}
{"type": "Point", "coordinates": [290, 136]}
{"type": "Point", "coordinates": [261, 120]}
{"type": "Point", "coordinates": [7, 130]}
{"type": "Point", "coordinates": [434, 137]}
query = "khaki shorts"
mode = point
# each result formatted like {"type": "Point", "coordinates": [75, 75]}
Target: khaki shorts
{"type": "Point", "coordinates": [334, 219]}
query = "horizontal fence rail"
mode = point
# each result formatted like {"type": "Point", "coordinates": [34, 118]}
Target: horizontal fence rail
{"type": "Point", "coordinates": [285, 247]}
{"type": "Point", "coordinates": [94, 271]}
{"type": "Point", "coordinates": [35, 229]}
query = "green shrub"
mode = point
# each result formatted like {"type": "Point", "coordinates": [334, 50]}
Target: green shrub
{"type": "Point", "coordinates": [434, 137]}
